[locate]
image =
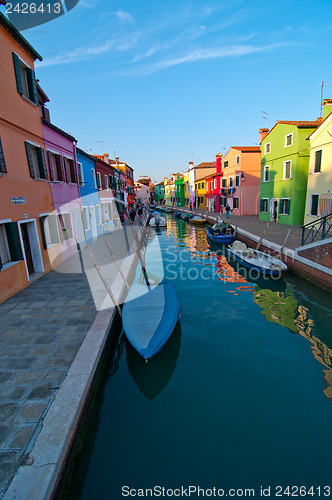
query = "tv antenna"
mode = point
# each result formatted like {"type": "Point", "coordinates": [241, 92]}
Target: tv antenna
{"type": "Point", "coordinates": [321, 98]}
{"type": "Point", "coordinates": [266, 117]}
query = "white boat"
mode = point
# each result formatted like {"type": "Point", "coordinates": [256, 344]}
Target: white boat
{"type": "Point", "coordinates": [197, 220]}
{"type": "Point", "coordinates": [157, 222]}
{"type": "Point", "coordinates": [254, 259]}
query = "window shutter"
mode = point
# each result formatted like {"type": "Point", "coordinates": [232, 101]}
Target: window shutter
{"type": "Point", "coordinates": [287, 207]}
{"type": "Point", "coordinates": [3, 168]}
{"type": "Point", "coordinates": [30, 159]}
{"type": "Point", "coordinates": [14, 241]}
{"type": "Point", "coordinates": [281, 202]}
{"type": "Point", "coordinates": [318, 160]}
{"type": "Point", "coordinates": [18, 73]}
{"type": "Point", "coordinates": [51, 165]}
{"type": "Point", "coordinates": [67, 170]}
{"type": "Point", "coordinates": [261, 205]}
{"type": "Point", "coordinates": [41, 163]}
{"type": "Point", "coordinates": [74, 170]}
{"type": "Point", "coordinates": [42, 225]}
{"type": "Point", "coordinates": [32, 86]}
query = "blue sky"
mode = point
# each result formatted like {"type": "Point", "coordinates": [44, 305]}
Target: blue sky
{"type": "Point", "coordinates": [163, 83]}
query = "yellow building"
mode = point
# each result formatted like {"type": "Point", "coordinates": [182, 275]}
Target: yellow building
{"type": "Point", "coordinates": [200, 196]}
{"type": "Point", "coordinates": [186, 188]}
{"type": "Point", "coordinates": [319, 190]}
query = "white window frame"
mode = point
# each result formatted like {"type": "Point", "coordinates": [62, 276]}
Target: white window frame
{"type": "Point", "coordinates": [266, 169]}
{"type": "Point", "coordinates": [238, 202]}
{"type": "Point", "coordinates": [237, 181]}
{"type": "Point", "coordinates": [238, 158]}
{"type": "Point", "coordinates": [47, 230]}
{"type": "Point", "coordinates": [231, 181]}
{"type": "Point", "coordinates": [215, 183]}
{"type": "Point", "coordinates": [98, 215]}
{"type": "Point", "coordinates": [314, 165]}
{"type": "Point", "coordinates": [106, 182]}
{"type": "Point", "coordinates": [283, 213]}
{"type": "Point", "coordinates": [7, 264]}
{"type": "Point", "coordinates": [267, 206]}
{"type": "Point", "coordinates": [291, 144]}
{"type": "Point", "coordinates": [226, 164]}
{"type": "Point", "coordinates": [267, 149]}
{"type": "Point", "coordinates": [290, 171]}
{"type": "Point", "coordinates": [94, 178]}
{"type": "Point", "coordinates": [80, 173]}
{"type": "Point", "coordinates": [99, 184]}
{"type": "Point", "coordinates": [25, 87]}
{"type": "Point", "coordinates": [311, 214]}
{"type": "Point", "coordinates": [85, 209]}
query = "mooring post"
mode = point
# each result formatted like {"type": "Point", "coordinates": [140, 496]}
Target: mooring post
{"type": "Point", "coordinates": [117, 265]}
{"type": "Point", "coordinates": [261, 238]}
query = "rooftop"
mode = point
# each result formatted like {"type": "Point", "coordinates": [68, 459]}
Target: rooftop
{"type": "Point", "coordinates": [10, 29]}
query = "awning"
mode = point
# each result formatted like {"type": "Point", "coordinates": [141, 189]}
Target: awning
{"type": "Point", "coordinates": [325, 204]}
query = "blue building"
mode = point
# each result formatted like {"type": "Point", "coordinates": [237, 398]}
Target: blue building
{"type": "Point", "coordinates": [91, 210]}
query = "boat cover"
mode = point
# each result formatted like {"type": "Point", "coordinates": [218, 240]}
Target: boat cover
{"type": "Point", "coordinates": [149, 317]}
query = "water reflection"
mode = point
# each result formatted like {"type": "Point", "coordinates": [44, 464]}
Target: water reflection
{"type": "Point", "coordinates": [151, 378]}
{"type": "Point", "coordinates": [275, 297]}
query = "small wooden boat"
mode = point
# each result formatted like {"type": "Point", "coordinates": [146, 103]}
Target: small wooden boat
{"type": "Point", "coordinates": [197, 220]}
{"type": "Point", "coordinates": [149, 316]}
{"type": "Point", "coordinates": [254, 259]}
{"type": "Point", "coordinates": [186, 217]}
{"type": "Point", "coordinates": [223, 236]}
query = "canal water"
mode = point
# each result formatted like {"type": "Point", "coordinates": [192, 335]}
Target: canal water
{"type": "Point", "coordinates": [239, 398]}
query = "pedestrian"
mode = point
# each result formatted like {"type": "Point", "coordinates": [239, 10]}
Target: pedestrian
{"type": "Point", "coordinates": [140, 212]}
{"type": "Point", "coordinates": [132, 214]}
{"type": "Point", "coordinates": [228, 211]}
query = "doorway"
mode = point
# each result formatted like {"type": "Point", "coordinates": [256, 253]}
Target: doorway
{"type": "Point", "coordinates": [31, 248]}
{"type": "Point", "coordinates": [274, 209]}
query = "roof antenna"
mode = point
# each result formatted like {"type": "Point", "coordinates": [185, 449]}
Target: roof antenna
{"type": "Point", "coordinates": [266, 117]}
{"type": "Point", "coordinates": [321, 98]}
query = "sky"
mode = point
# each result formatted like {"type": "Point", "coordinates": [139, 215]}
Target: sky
{"type": "Point", "coordinates": [160, 83]}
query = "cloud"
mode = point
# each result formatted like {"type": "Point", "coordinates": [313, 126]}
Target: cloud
{"type": "Point", "coordinates": [125, 17]}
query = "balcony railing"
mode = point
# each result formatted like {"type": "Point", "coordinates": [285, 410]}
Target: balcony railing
{"type": "Point", "coordinates": [317, 230]}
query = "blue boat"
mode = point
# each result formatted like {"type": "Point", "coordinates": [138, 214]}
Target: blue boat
{"type": "Point", "coordinates": [178, 215]}
{"type": "Point", "coordinates": [226, 238]}
{"type": "Point", "coordinates": [149, 316]}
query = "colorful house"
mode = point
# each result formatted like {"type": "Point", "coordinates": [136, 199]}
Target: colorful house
{"type": "Point", "coordinates": [200, 195]}
{"type": "Point", "coordinates": [129, 180]}
{"type": "Point", "coordinates": [25, 250]}
{"type": "Point", "coordinates": [213, 184]}
{"type": "Point", "coordinates": [91, 211]}
{"type": "Point", "coordinates": [107, 186]}
{"type": "Point", "coordinates": [60, 149]}
{"type": "Point", "coordinates": [142, 192]}
{"type": "Point", "coordinates": [284, 171]}
{"type": "Point", "coordinates": [159, 192]}
{"type": "Point", "coordinates": [319, 191]}
{"type": "Point", "coordinates": [240, 184]}
{"type": "Point", "coordinates": [196, 172]}
{"type": "Point", "coordinates": [179, 191]}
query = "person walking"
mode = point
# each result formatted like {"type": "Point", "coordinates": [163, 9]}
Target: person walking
{"type": "Point", "coordinates": [132, 214]}
{"type": "Point", "coordinates": [228, 211]}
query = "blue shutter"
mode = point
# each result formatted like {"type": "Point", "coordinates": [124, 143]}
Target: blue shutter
{"type": "Point", "coordinates": [17, 73]}
{"type": "Point", "coordinates": [287, 207]}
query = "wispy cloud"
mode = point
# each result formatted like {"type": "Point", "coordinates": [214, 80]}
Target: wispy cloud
{"type": "Point", "coordinates": [124, 16]}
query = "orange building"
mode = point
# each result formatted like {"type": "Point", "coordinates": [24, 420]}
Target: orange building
{"type": "Point", "coordinates": [26, 245]}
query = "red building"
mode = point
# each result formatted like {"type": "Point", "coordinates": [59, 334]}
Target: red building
{"type": "Point", "coordinates": [213, 183]}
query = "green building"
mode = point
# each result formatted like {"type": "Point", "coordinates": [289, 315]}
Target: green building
{"type": "Point", "coordinates": [179, 191]}
{"type": "Point", "coordinates": [284, 171]}
{"type": "Point", "coordinates": [159, 192]}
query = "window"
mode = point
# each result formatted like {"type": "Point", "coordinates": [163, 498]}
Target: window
{"type": "Point", "coordinates": [49, 227]}
{"type": "Point", "coordinates": [237, 180]}
{"type": "Point", "coordinates": [318, 161]}
{"type": "Point", "coordinates": [314, 204]}
{"type": "Point", "coordinates": [55, 166]}
{"type": "Point", "coordinates": [196, 186]}
{"type": "Point", "coordinates": [86, 218]}
{"type": "Point", "coordinates": [202, 185]}
{"type": "Point", "coordinates": [263, 205]}
{"type": "Point", "coordinates": [66, 232]}
{"type": "Point", "coordinates": [287, 169]}
{"type": "Point", "coordinates": [94, 178]}
{"type": "Point", "coordinates": [284, 207]}
{"type": "Point", "coordinates": [226, 164]}
{"type": "Point", "coordinates": [202, 200]}
{"type": "Point", "coordinates": [98, 181]}
{"type": "Point", "coordinates": [224, 204]}
{"type": "Point", "coordinates": [224, 183]}
{"type": "Point", "coordinates": [266, 173]}
{"type": "Point", "coordinates": [211, 185]}
{"type": "Point", "coordinates": [267, 148]}
{"type": "Point", "coordinates": [238, 160]}
{"type": "Point", "coordinates": [99, 213]}
{"type": "Point", "coordinates": [199, 185]}
{"type": "Point", "coordinates": [231, 182]}
{"type": "Point", "coordinates": [3, 168]}
{"type": "Point", "coordinates": [10, 246]}
{"type": "Point", "coordinates": [71, 174]}
{"type": "Point", "coordinates": [235, 202]}
{"type": "Point", "coordinates": [106, 182]}
{"type": "Point", "coordinates": [36, 161]}
{"type": "Point", "coordinates": [80, 174]}
{"type": "Point", "coordinates": [215, 183]}
{"type": "Point", "coordinates": [288, 140]}
{"type": "Point", "coordinates": [25, 80]}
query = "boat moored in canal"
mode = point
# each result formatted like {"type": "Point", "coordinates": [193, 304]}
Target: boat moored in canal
{"type": "Point", "coordinates": [149, 316]}
{"type": "Point", "coordinates": [222, 234]}
{"type": "Point", "coordinates": [197, 220]}
{"type": "Point", "coordinates": [255, 259]}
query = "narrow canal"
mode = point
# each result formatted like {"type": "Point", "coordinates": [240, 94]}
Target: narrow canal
{"type": "Point", "coordinates": [240, 397]}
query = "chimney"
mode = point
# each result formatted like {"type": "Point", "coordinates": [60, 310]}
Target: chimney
{"type": "Point", "coordinates": [263, 133]}
{"type": "Point", "coordinates": [117, 160]}
{"type": "Point", "coordinates": [105, 157]}
{"type": "Point", "coordinates": [218, 163]}
{"type": "Point", "coordinates": [191, 164]}
{"type": "Point", "coordinates": [327, 107]}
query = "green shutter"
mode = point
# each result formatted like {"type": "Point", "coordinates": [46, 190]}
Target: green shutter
{"type": "Point", "coordinates": [41, 163]}
{"type": "Point", "coordinates": [281, 202]}
{"type": "Point", "coordinates": [261, 205]}
{"type": "Point", "coordinates": [42, 225]}
{"type": "Point", "coordinates": [18, 73]}
{"type": "Point", "coordinates": [3, 168]}
{"type": "Point", "coordinates": [30, 159]}
{"type": "Point", "coordinates": [14, 241]}
{"type": "Point", "coordinates": [32, 86]}
{"type": "Point", "coordinates": [287, 207]}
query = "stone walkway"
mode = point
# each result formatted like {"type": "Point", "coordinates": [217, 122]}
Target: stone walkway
{"type": "Point", "coordinates": [41, 330]}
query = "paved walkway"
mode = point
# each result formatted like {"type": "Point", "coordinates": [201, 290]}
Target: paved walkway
{"type": "Point", "coordinates": [41, 330]}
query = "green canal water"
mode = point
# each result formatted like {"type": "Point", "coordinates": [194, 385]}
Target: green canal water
{"type": "Point", "coordinates": [240, 397]}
